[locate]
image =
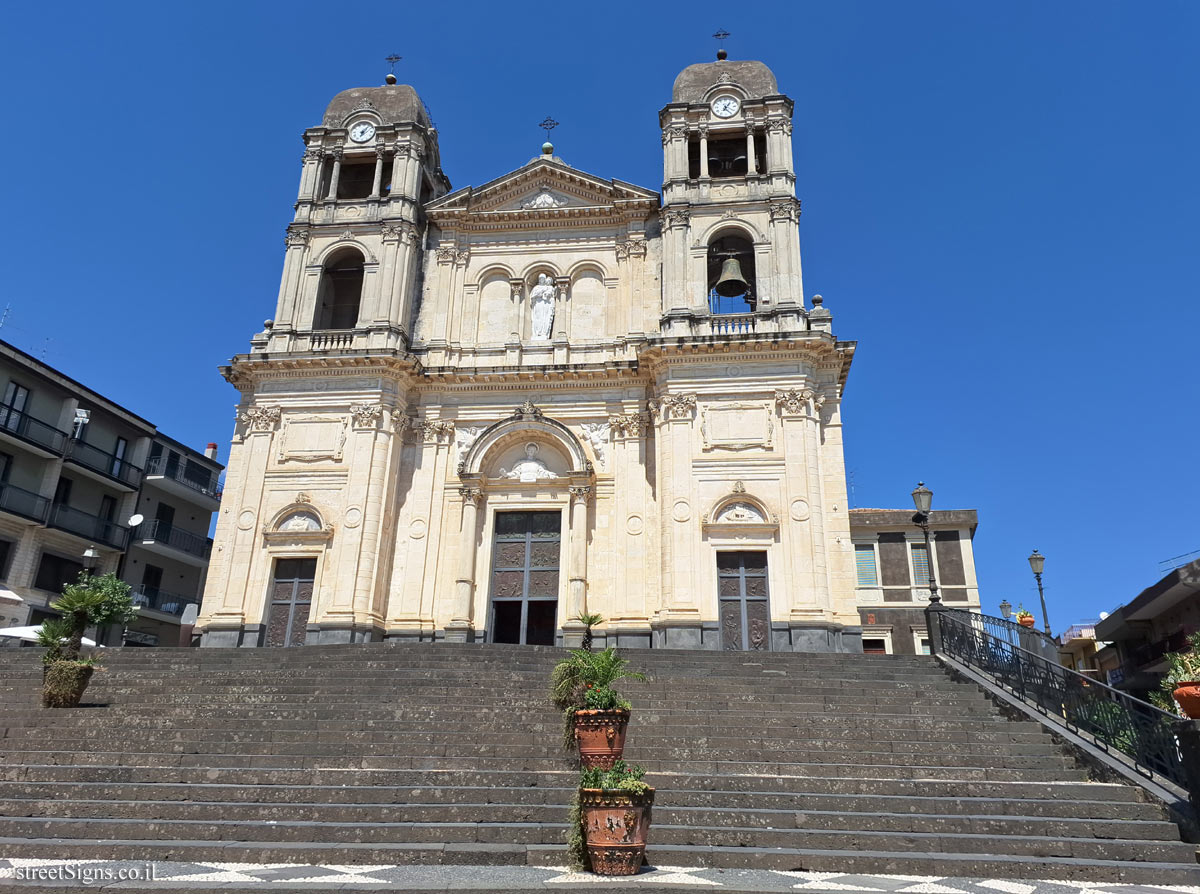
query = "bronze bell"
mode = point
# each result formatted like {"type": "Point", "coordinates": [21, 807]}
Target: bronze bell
{"type": "Point", "coordinates": [731, 283]}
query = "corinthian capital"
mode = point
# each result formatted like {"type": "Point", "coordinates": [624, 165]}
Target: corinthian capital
{"type": "Point", "coordinates": [260, 419]}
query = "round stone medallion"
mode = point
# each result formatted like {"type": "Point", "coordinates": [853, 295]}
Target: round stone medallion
{"type": "Point", "coordinates": [246, 519]}
{"type": "Point", "coordinates": [681, 511]}
{"type": "Point", "coordinates": [417, 528]}
{"type": "Point", "coordinates": [353, 517]}
{"type": "Point", "coordinates": [799, 510]}
{"type": "Point", "coordinates": [634, 524]}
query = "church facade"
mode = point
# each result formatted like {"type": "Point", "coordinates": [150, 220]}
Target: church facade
{"type": "Point", "coordinates": [480, 413]}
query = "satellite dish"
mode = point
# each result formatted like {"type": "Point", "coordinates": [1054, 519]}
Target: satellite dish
{"type": "Point", "coordinates": [1103, 615]}
{"type": "Point", "coordinates": [135, 520]}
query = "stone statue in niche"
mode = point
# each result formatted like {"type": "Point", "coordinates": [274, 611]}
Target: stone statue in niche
{"type": "Point", "coordinates": [541, 304]}
{"type": "Point", "coordinates": [740, 512]}
{"type": "Point", "coordinates": [529, 469]}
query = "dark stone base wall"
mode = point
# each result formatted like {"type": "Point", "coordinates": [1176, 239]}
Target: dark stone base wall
{"type": "Point", "coordinates": [901, 621]}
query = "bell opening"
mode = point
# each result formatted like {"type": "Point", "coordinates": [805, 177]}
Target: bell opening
{"type": "Point", "coordinates": [731, 275]}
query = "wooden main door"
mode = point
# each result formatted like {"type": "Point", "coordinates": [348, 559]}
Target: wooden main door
{"type": "Point", "coordinates": [745, 611]}
{"type": "Point", "coordinates": [525, 567]}
{"type": "Point", "coordinates": [291, 601]}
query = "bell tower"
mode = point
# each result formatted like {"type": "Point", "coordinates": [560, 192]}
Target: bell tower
{"type": "Point", "coordinates": [354, 245]}
{"type": "Point", "coordinates": [730, 217]}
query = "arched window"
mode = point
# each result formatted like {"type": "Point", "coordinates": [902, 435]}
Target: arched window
{"type": "Point", "coordinates": [731, 274]}
{"type": "Point", "coordinates": [340, 292]}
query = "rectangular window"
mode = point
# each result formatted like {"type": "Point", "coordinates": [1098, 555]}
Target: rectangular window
{"type": "Point", "coordinates": [874, 646]}
{"type": "Point", "coordinates": [6, 549]}
{"type": "Point", "coordinates": [62, 492]}
{"type": "Point", "coordinates": [5, 467]}
{"type": "Point", "coordinates": [923, 645]}
{"type": "Point", "coordinates": [16, 397]}
{"type": "Point", "coordinates": [920, 564]}
{"type": "Point", "coordinates": [55, 571]}
{"type": "Point", "coordinates": [864, 560]}
{"type": "Point", "coordinates": [108, 507]}
{"type": "Point", "coordinates": [119, 456]}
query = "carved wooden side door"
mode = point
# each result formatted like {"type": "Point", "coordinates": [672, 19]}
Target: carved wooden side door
{"type": "Point", "coordinates": [291, 601]}
{"type": "Point", "coordinates": [745, 610]}
{"type": "Point", "coordinates": [525, 568]}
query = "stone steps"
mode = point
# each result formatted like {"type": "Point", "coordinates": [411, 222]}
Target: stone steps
{"type": "Point", "coordinates": [424, 754]}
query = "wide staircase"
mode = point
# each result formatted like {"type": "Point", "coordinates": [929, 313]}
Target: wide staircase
{"type": "Point", "coordinates": [450, 754]}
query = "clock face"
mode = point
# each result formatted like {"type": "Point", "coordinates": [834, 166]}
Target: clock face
{"type": "Point", "coordinates": [362, 131]}
{"type": "Point", "coordinates": [725, 106]}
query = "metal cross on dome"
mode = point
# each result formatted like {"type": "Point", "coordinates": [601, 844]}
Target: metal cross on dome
{"type": "Point", "coordinates": [392, 60]}
{"type": "Point", "coordinates": [721, 35]}
{"type": "Point", "coordinates": [548, 124]}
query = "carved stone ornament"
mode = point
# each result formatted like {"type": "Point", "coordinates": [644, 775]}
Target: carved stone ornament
{"type": "Point", "coordinates": [580, 492]}
{"type": "Point", "coordinates": [631, 248]}
{"type": "Point", "coordinates": [527, 411]}
{"type": "Point", "coordinates": [314, 153]}
{"type": "Point", "coordinates": [779, 125]}
{"type": "Point", "coordinates": [299, 521]}
{"type": "Point", "coordinates": [433, 429]}
{"type": "Point", "coordinates": [260, 419]}
{"type": "Point", "coordinates": [404, 150]}
{"type": "Point", "coordinates": [544, 199]}
{"type": "Point", "coordinates": [471, 495]}
{"type": "Point", "coordinates": [673, 406]}
{"type": "Point", "coordinates": [799, 402]}
{"type": "Point", "coordinates": [462, 256]}
{"type": "Point", "coordinates": [366, 415]}
{"type": "Point", "coordinates": [788, 209]}
{"type": "Point", "coordinates": [674, 132]}
{"type": "Point", "coordinates": [296, 237]}
{"type": "Point", "coordinates": [596, 434]}
{"type": "Point", "coordinates": [402, 231]}
{"type": "Point", "coordinates": [464, 437]}
{"type": "Point", "coordinates": [740, 513]}
{"type": "Point", "coordinates": [302, 497]}
{"type": "Point", "coordinates": [739, 487]}
{"type": "Point", "coordinates": [676, 218]}
{"type": "Point", "coordinates": [336, 153]}
{"type": "Point", "coordinates": [445, 255]}
{"type": "Point", "coordinates": [345, 235]}
{"type": "Point", "coordinates": [632, 425]}
{"type": "Point", "coordinates": [529, 469]}
{"type": "Point", "coordinates": [541, 308]}
{"type": "Point", "coordinates": [725, 78]}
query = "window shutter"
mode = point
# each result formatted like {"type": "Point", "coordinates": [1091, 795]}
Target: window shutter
{"type": "Point", "coordinates": [864, 557]}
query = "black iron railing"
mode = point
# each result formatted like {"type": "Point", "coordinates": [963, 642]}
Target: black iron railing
{"type": "Point", "coordinates": [105, 463]}
{"type": "Point", "coordinates": [188, 474]}
{"type": "Point", "coordinates": [24, 503]}
{"type": "Point", "coordinates": [161, 600]}
{"type": "Point", "coordinates": [20, 424]}
{"type": "Point", "coordinates": [1018, 661]}
{"type": "Point", "coordinates": [162, 532]}
{"type": "Point", "coordinates": [88, 526]}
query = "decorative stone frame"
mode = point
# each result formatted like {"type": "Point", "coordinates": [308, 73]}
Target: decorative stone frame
{"type": "Point", "coordinates": [275, 537]}
{"type": "Point", "coordinates": [530, 422]}
{"type": "Point", "coordinates": [284, 455]}
{"type": "Point", "coordinates": [768, 527]}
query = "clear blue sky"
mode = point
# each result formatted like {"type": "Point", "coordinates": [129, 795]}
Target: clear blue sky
{"type": "Point", "coordinates": [1001, 205]}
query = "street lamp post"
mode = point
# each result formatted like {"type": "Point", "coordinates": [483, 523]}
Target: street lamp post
{"type": "Point", "coordinates": [1037, 562]}
{"type": "Point", "coordinates": [923, 500]}
{"type": "Point", "coordinates": [1005, 609]}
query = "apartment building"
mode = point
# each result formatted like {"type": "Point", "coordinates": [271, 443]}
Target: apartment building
{"type": "Point", "coordinates": [892, 565]}
{"type": "Point", "coordinates": [86, 482]}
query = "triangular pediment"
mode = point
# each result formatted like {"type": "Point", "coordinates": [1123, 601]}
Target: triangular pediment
{"type": "Point", "coordinates": [544, 187]}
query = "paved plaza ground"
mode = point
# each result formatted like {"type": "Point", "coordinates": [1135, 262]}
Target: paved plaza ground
{"type": "Point", "coordinates": [233, 878]}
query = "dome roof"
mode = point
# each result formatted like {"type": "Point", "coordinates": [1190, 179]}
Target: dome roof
{"type": "Point", "coordinates": [696, 80]}
{"type": "Point", "coordinates": [394, 104]}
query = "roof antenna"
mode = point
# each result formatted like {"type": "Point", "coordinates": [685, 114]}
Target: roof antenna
{"type": "Point", "coordinates": [392, 60]}
{"type": "Point", "coordinates": [721, 35]}
{"type": "Point", "coordinates": [548, 124]}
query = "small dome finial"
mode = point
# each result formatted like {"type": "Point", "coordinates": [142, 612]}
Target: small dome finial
{"type": "Point", "coordinates": [548, 124]}
{"type": "Point", "coordinates": [547, 148]}
{"type": "Point", "coordinates": [392, 60]}
{"type": "Point", "coordinates": [721, 35]}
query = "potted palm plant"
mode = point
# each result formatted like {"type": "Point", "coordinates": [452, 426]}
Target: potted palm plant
{"type": "Point", "coordinates": [611, 820]}
{"type": "Point", "coordinates": [1182, 682]}
{"type": "Point", "coordinates": [595, 716]}
{"type": "Point", "coordinates": [89, 601]}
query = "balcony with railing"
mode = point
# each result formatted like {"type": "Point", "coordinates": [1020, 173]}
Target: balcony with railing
{"type": "Point", "coordinates": [161, 601]}
{"type": "Point", "coordinates": [156, 535]}
{"type": "Point", "coordinates": [20, 425]}
{"type": "Point", "coordinates": [107, 464]}
{"type": "Point", "coordinates": [25, 503]}
{"type": "Point", "coordinates": [183, 476]}
{"type": "Point", "coordinates": [88, 526]}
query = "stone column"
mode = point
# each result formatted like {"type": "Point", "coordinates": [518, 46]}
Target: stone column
{"type": "Point", "coordinates": [296, 240]}
{"type": "Point", "coordinates": [310, 174]}
{"type": "Point", "coordinates": [676, 223]}
{"type": "Point", "coordinates": [399, 155]}
{"type": "Point", "coordinates": [704, 153]}
{"type": "Point", "coordinates": [337, 172]}
{"type": "Point", "coordinates": [378, 172]}
{"type": "Point", "coordinates": [577, 572]}
{"type": "Point", "coordinates": [751, 163]}
{"type": "Point", "coordinates": [459, 628]}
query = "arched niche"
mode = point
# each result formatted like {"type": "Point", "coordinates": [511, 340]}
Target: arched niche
{"type": "Point", "coordinates": [742, 511]}
{"type": "Point", "coordinates": [298, 522]}
{"type": "Point", "coordinates": [502, 439]}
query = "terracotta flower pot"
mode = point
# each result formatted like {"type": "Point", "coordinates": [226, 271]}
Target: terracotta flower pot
{"type": "Point", "coordinates": [600, 736]}
{"type": "Point", "coordinates": [64, 683]}
{"type": "Point", "coordinates": [1027, 621]}
{"type": "Point", "coordinates": [1187, 693]}
{"type": "Point", "coordinates": [615, 825]}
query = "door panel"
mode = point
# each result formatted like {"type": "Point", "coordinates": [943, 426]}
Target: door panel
{"type": "Point", "coordinates": [525, 577]}
{"type": "Point", "coordinates": [291, 602]}
{"type": "Point", "coordinates": [744, 606]}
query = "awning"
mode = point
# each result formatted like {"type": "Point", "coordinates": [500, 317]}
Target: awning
{"type": "Point", "coordinates": [30, 634]}
{"type": "Point", "coordinates": [7, 595]}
